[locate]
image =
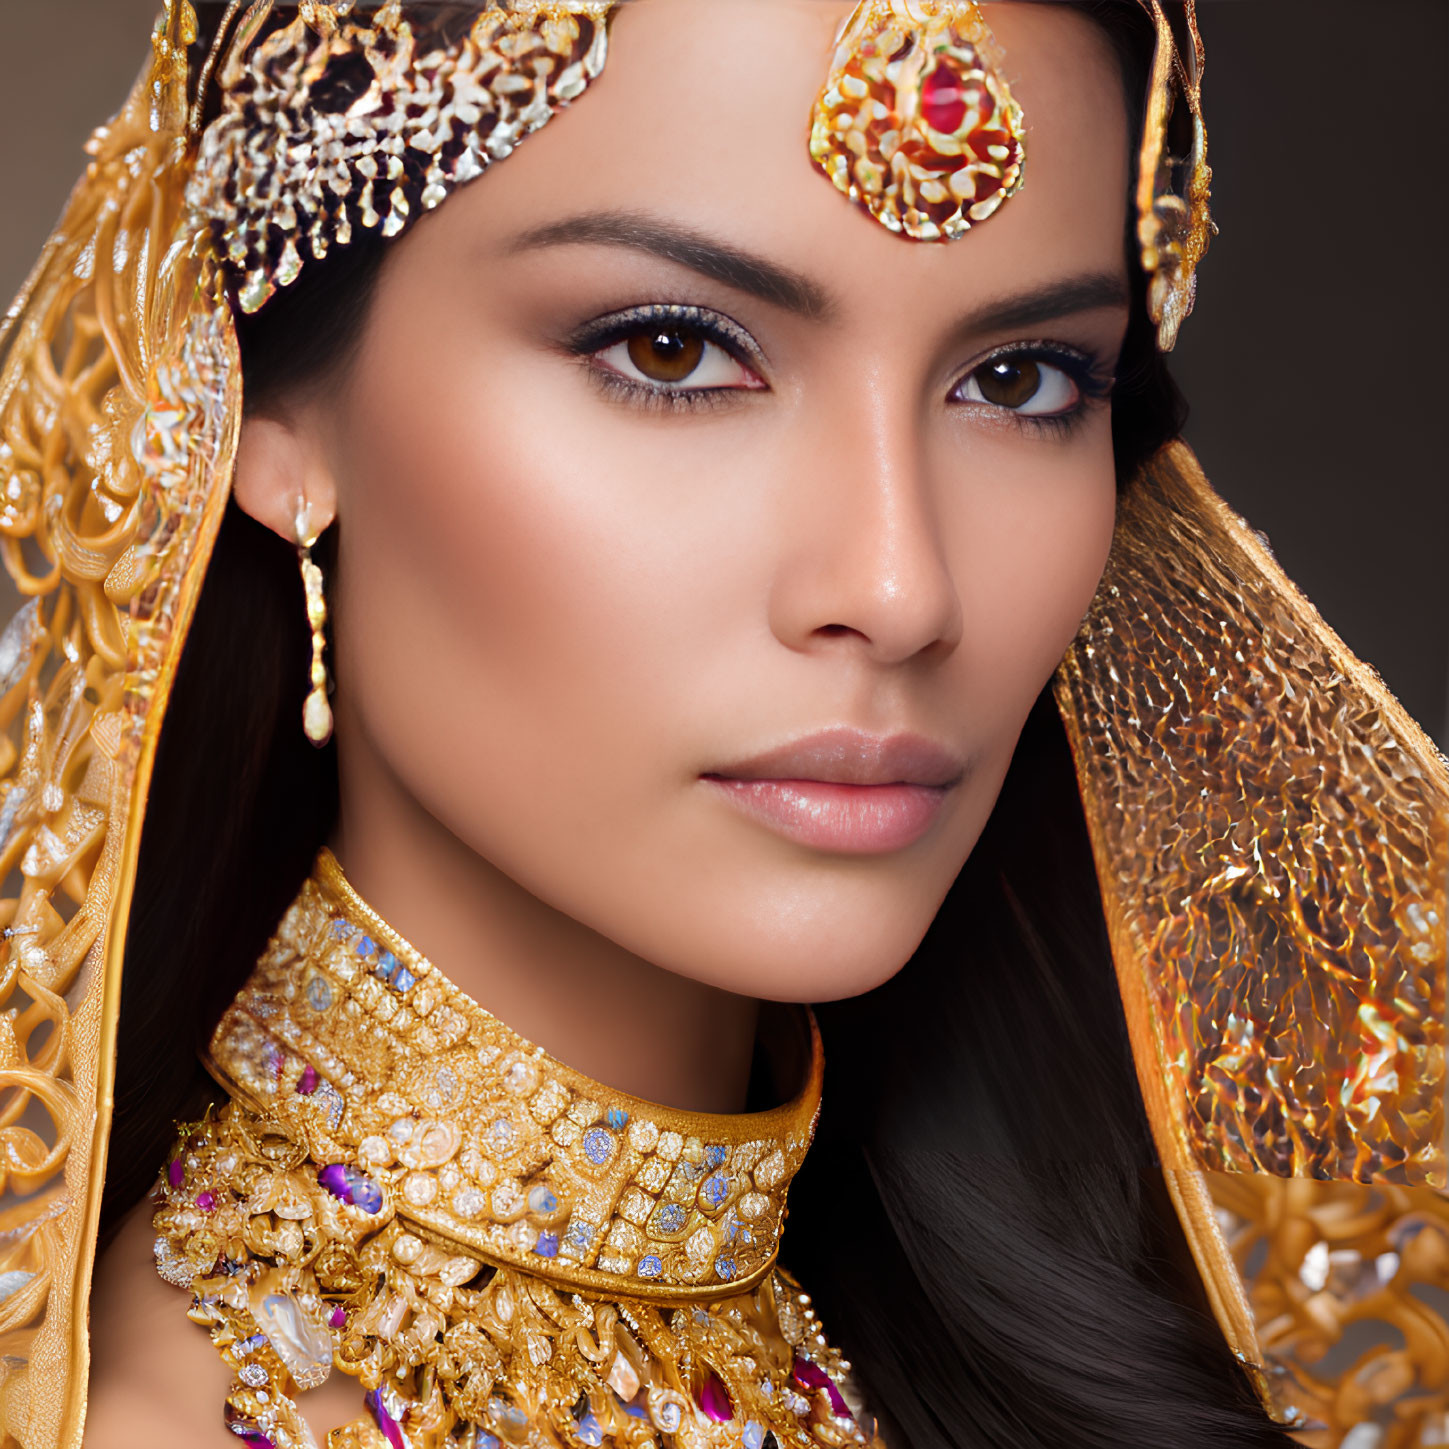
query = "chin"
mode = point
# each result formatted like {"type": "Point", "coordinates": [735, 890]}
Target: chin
{"type": "Point", "coordinates": [850, 959]}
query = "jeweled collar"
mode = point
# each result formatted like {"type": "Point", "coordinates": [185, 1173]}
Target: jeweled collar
{"type": "Point", "coordinates": [410, 1094]}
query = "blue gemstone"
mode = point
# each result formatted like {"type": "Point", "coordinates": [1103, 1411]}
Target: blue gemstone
{"type": "Point", "coordinates": [649, 1266]}
{"type": "Point", "coordinates": [404, 980]}
{"type": "Point", "coordinates": [341, 929]}
{"type": "Point", "coordinates": [590, 1431]}
{"type": "Point", "coordinates": [671, 1218]}
{"type": "Point", "coordinates": [319, 993]}
{"type": "Point", "coordinates": [547, 1245]}
{"type": "Point", "coordinates": [715, 1156]}
{"type": "Point", "coordinates": [542, 1201]}
{"type": "Point", "coordinates": [349, 1185]}
{"type": "Point", "coordinates": [579, 1235]}
{"type": "Point", "coordinates": [366, 946]}
{"type": "Point", "coordinates": [486, 1440]}
{"type": "Point", "coordinates": [511, 1414]}
{"type": "Point", "coordinates": [598, 1146]}
{"type": "Point", "coordinates": [618, 1118]}
{"type": "Point", "coordinates": [255, 1344]}
{"type": "Point", "coordinates": [754, 1435]}
{"type": "Point", "coordinates": [715, 1190]}
{"type": "Point", "coordinates": [725, 1267]}
{"type": "Point", "coordinates": [386, 965]}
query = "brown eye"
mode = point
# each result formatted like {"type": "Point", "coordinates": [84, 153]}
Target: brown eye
{"type": "Point", "coordinates": [1029, 386]}
{"type": "Point", "coordinates": [666, 354]}
{"type": "Point", "coordinates": [1010, 382]}
{"type": "Point", "coordinates": [663, 351]}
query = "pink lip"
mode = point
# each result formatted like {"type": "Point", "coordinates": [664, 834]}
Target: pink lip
{"type": "Point", "coordinates": [844, 790]}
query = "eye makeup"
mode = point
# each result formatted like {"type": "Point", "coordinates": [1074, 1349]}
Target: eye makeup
{"type": "Point", "coordinates": [680, 342]}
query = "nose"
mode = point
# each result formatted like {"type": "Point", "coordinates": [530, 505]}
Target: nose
{"type": "Point", "coordinates": [864, 565]}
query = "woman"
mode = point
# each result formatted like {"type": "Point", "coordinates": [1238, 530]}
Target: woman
{"type": "Point", "coordinates": [872, 478]}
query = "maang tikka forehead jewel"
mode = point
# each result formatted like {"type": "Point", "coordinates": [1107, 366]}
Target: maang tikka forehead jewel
{"type": "Point", "coordinates": [918, 125]}
{"type": "Point", "coordinates": [917, 122]}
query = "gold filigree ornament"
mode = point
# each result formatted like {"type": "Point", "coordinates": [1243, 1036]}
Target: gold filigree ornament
{"type": "Point", "coordinates": [498, 1248]}
{"type": "Point", "coordinates": [916, 122]}
{"type": "Point", "coordinates": [1271, 835]}
{"type": "Point", "coordinates": [335, 124]}
{"type": "Point", "coordinates": [1174, 180]}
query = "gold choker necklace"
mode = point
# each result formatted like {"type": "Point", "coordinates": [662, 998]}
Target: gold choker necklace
{"type": "Point", "coordinates": [501, 1250]}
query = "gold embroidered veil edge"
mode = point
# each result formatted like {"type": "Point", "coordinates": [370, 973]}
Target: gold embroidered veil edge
{"type": "Point", "coordinates": [1270, 836]}
{"type": "Point", "coordinates": [119, 409]}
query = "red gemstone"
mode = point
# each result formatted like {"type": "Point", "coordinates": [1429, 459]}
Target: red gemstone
{"type": "Point", "coordinates": [943, 102]}
{"type": "Point", "coordinates": [338, 1319]}
{"type": "Point", "coordinates": [175, 1172]}
{"type": "Point", "coordinates": [714, 1399]}
{"type": "Point", "coordinates": [307, 1082]}
{"type": "Point", "coordinates": [206, 1202]}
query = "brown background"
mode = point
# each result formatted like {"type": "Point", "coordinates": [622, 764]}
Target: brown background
{"type": "Point", "coordinates": [1315, 363]}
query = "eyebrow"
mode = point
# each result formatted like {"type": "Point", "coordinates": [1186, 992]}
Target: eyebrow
{"type": "Point", "coordinates": [757, 277]}
{"type": "Point", "coordinates": [742, 270]}
{"type": "Point", "coordinates": [1089, 292]}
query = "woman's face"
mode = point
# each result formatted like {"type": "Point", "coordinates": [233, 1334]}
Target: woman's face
{"type": "Point", "coordinates": [704, 545]}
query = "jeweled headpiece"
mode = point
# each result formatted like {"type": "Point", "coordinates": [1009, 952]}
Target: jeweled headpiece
{"type": "Point", "coordinates": [333, 126]}
{"type": "Point", "coordinates": [1270, 828]}
{"type": "Point", "coordinates": [340, 122]}
{"type": "Point", "coordinates": [917, 122]}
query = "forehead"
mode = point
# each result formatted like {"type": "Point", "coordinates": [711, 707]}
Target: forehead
{"type": "Point", "coordinates": [702, 115]}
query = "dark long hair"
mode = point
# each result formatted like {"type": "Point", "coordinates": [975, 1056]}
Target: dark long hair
{"type": "Point", "coordinates": [982, 1221]}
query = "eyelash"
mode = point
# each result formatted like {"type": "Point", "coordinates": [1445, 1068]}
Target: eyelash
{"type": "Point", "coordinates": [1094, 383]}
{"type": "Point", "coordinates": [713, 327]}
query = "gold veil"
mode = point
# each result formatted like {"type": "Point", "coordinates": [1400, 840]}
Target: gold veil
{"type": "Point", "coordinates": [1271, 831]}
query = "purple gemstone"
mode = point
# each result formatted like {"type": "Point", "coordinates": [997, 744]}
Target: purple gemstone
{"type": "Point", "coordinates": [338, 1319]}
{"type": "Point", "coordinates": [349, 1185]}
{"type": "Point", "coordinates": [247, 1430]}
{"type": "Point", "coordinates": [334, 1179]}
{"type": "Point", "coordinates": [206, 1201]}
{"type": "Point", "coordinates": [714, 1399]}
{"type": "Point", "coordinates": [811, 1376]}
{"type": "Point", "coordinates": [389, 1427]}
{"type": "Point", "coordinates": [175, 1172]}
{"type": "Point", "coordinates": [307, 1082]}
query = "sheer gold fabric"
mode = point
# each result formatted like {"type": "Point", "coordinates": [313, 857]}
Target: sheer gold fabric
{"type": "Point", "coordinates": [1272, 841]}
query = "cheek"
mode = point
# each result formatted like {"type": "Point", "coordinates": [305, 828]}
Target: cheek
{"type": "Point", "coordinates": [503, 583]}
{"type": "Point", "coordinates": [1028, 536]}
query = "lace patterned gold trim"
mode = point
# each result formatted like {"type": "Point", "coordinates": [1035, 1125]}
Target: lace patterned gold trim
{"type": "Point", "coordinates": [1348, 1284]}
{"type": "Point", "coordinates": [118, 409]}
